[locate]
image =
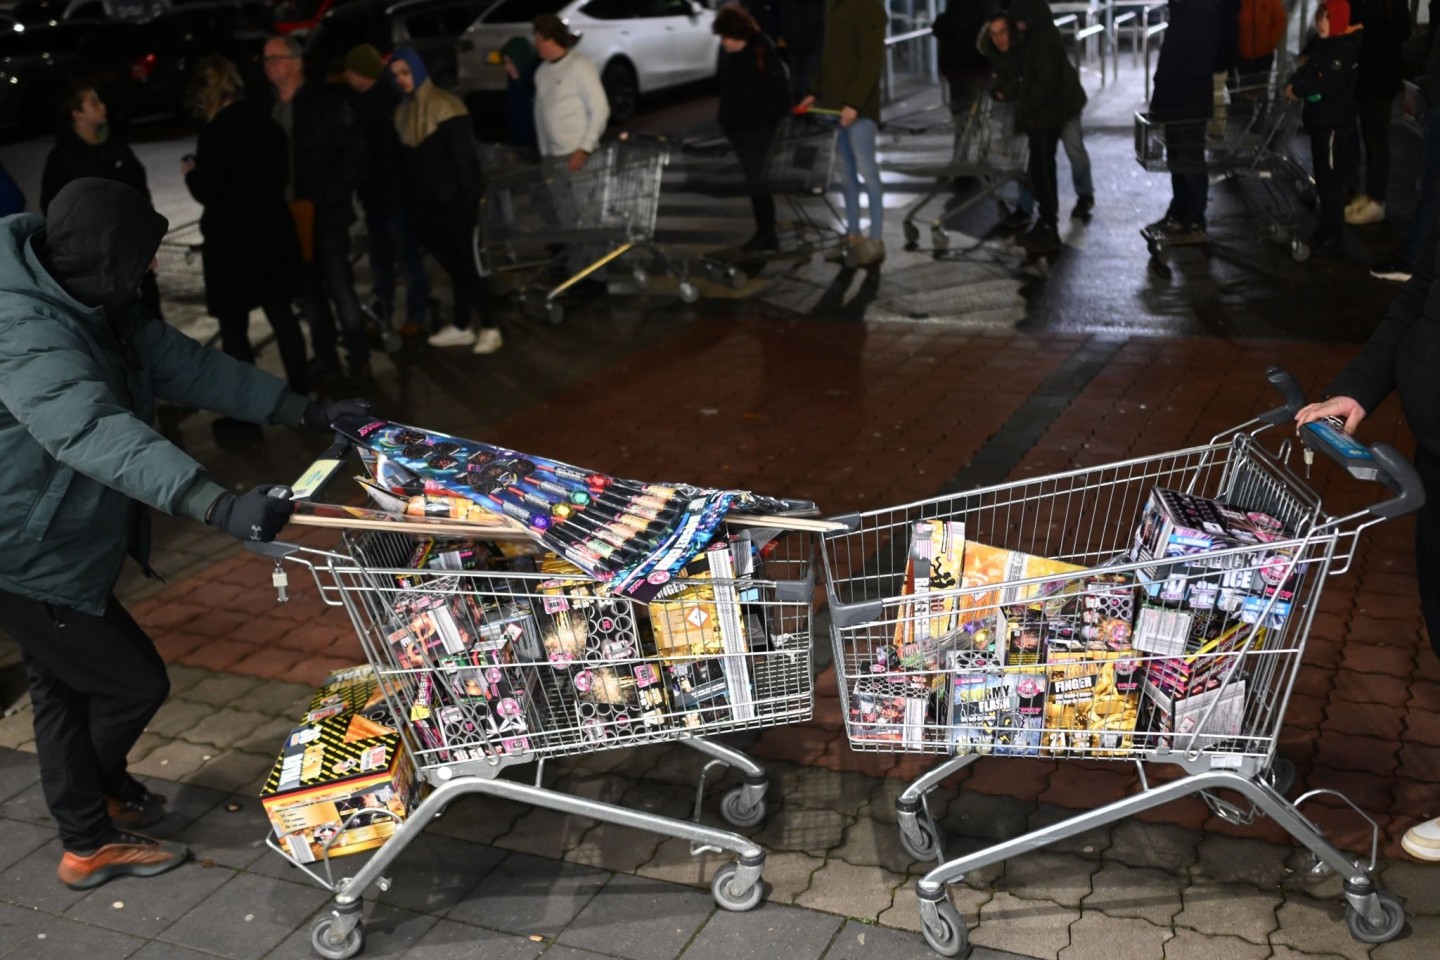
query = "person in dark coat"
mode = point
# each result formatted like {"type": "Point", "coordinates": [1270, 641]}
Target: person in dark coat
{"type": "Point", "coordinates": [82, 365]}
{"type": "Point", "coordinates": [1427, 197]}
{"type": "Point", "coordinates": [1034, 75]}
{"type": "Point", "coordinates": [800, 35]}
{"type": "Point", "coordinates": [12, 198]}
{"type": "Point", "coordinates": [1183, 100]}
{"type": "Point", "coordinates": [85, 146]}
{"type": "Point", "coordinates": [754, 98]}
{"type": "Point", "coordinates": [521, 61]}
{"type": "Point", "coordinates": [1387, 27]}
{"type": "Point", "coordinates": [251, 255]}
{"type": "Point", "coordinates": [441, 168]}
{"type": "Point", "coordinates": [388, 228]}
{"type": "Point", "coordinates": [1325, 81]}
{"type": "Point", "coordinates": [966, 70]}
{"type": "Point", "coordinates": [327, 164]}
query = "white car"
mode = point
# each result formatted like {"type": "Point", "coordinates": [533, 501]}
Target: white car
{"type": "Point", "coordinates": [639, 46]}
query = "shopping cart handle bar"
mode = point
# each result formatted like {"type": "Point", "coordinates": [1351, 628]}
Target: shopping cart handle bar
{"type": "Point", "coordinates": [318, 475]}
{"type": "Point", "coordinates": [1400, 475]}
{"type": "Point", "coordinates": [1290, 390]}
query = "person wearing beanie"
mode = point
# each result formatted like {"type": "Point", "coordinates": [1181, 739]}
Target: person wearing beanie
{"type": "Point", "coordinates": [82, 363]}
{"type": "Point", "coordinates": [1325, 82]}
{"type": "Point", "coordinates": [441, 171]}
{"type": "Point", "coordinates": [389, 227]}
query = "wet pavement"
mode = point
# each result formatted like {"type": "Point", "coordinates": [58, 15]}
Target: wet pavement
{"type": "Point", "coordinates": [856, 390]}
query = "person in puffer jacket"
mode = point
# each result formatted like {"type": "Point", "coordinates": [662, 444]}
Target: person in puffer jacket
{"type": "Point", "coordinates": [1325, 82]}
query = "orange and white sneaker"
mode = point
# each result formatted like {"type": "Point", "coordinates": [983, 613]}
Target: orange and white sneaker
{"type": "Point", "coordinates": [136, 814]}
{"type": "Point", "coordinates": [128, 855]}
{"type": "Point", "coordinates": [1422, 841]}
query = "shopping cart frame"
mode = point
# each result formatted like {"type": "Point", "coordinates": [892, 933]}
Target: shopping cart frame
{"type": "Point", "coordinates": [1256, 774]}
{"type": "Point", "coordinates": [343, 580]}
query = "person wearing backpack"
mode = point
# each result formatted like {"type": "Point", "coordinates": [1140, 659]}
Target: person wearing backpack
{"type": "Point", "coordinates": [754, 98]}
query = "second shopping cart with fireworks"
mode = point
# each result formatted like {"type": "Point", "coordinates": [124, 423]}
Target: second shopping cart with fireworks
{"type": "Point", "coordinates": [1151, 611]}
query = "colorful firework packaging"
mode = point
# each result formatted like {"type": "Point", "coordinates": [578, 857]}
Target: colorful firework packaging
{"type": "Point", "coordinates": [634, 536]}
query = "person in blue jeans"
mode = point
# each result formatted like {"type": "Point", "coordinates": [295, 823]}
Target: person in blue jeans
{"type": "Point", "coordinates": [1401, 268]}
{"type": "Point", "coordinates": [849, 82]}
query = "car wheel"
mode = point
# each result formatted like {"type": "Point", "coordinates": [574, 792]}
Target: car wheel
{"type": "Point", "coordinates": [621, 89]}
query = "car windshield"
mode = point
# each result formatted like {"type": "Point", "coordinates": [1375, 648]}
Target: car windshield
{"type": "Point", "coordinates": [523, 11]}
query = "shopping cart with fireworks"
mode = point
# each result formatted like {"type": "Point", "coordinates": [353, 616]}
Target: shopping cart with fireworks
{"type": "Point", "coordinates": [797, 169]}
{"type": "Point", "coordinates": [970, 141]}
{"type": "Point", "coordinates": [178, 266]}
{"type": "Point", "coordinates": [493, 648]}
{"type": "Point", "coordinates": [1152, 611]}
{"type": "Point", "coordinates": [557, 228]}
{"type": "Point", "coordinates": [1249, 139]}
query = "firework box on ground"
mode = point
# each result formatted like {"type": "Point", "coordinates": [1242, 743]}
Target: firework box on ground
{"type": "Point", "coordinates": [340, 777]}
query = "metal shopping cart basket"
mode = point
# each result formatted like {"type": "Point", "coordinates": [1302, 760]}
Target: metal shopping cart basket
{"type": "Point", "coordinates": [1148, 611]}
{"type": "Point", "coordinates": [1250, 138]}
{"type": "Point", "coordinates": [178, 268]}
{"type": "Point", "coordinates": [562, 227]}
{"type": "Point", "coordinates": [485, 670]}
{"type": "Point", "coordinates": [982, 145]}
{"type": "Point", "coordinates": [797, 168]}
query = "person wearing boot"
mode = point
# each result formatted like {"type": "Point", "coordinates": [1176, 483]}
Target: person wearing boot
{"type": "Point", "coordinates": [82, 363]}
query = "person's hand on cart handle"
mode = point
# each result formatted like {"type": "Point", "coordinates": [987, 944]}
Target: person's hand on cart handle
{"type": "Point", "coordinates": [257, 515]}
{"type": "Point", "coordinates": [848, 115]}
{"type": "Point", "coordinates": [320, 416]}
{"type": "Point", "coordinates": [1345, 407]}
{"type": "Point", "coordinates": [577, 160]}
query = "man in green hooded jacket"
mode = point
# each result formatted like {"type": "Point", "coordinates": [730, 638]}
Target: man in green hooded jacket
{"type": "Point", "coordinates": [81, 366]}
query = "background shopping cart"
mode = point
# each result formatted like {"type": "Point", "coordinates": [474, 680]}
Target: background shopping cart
{"type": "Point", "coordinates": [1123, 655]}
{"type": "Point", "coordinates": [179, 270]}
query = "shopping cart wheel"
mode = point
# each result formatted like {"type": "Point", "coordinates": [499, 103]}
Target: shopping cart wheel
{"type": "Point", "coordinates": [555, 313]}
{"type": "Point", "coordinates": [689, 292]}
{"type": "Point", "coordinates": [351, 946]}
{"type": "Point", "coordinates": [912, 235]}
{"type": "Point", "coordinates": [641, 278]}
{"type": "Point", "coordinates": [1281, 775]}
{"type": "Point", "coordinates": [922, 845]}
{"type": "Point", "coordinates": [939, 238]}
{"type": "Point", "coordinates": [392, 341]}
{"type": "Point", "coordinates": [944, 928]}
{"type": "Point", "coordinates": [726, 898]}
{"type": "Point", "coordinates": [733, 809]}
{"type": "Point", "coordinates": [1389, 928]}
{"type": "Point", "coordinates": [1299, 250]}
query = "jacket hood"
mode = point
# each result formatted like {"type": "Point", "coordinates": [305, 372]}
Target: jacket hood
{"type": "Point", "coordinates": [99, 240]}
{"type": "Point", "coordinates": [1035, 14]}
{"type": "Point", "coordinates": [411, 59]}
{"type": "Point", "coordinates": [22, 273]}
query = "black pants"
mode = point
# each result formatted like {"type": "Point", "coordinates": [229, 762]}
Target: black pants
{"type": "Point", "coordinates": [1427, 544]}
{"type": "Point", "coordinates": [95, 682]}
{"type": "Point", "coordinates": [753, 150]}
{"type": "Point", "coordinates": [1375, 129]}
{"type": "Point", "coordinates": [235, 339]}
{"type": "Point", "coordinates": [331, 279]}
{"type": "Point", "coordinates": [1332, 151]}
{"type": "Point", "coordinates": [449, 237]}
{"type": "Point", "coordinates": [1189, 175]}
{"type": "Point", "coordinates": [1043, 181]}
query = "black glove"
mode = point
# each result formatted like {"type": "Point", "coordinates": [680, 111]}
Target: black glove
{"type": "Point", "coordinates": [257, 515]}
{"type": "Point", "coordinates": [319, 416]}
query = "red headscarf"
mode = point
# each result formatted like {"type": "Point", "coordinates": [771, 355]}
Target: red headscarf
{"type": "Point", "coordinates": [1338, 13]}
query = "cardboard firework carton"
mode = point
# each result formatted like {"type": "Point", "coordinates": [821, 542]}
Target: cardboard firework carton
{"type": "Point", "coordinates": [1209, 715]}
{"type": "Point", "coordinates": [986, 616]}
{"type": "Point", "coordinates": [699, 692]}
{"type": "Point", "coordinates": [1018, 728]}
{"type": "Point", "coordinates": [685, 615]}
{"type": "Point", "coordinates": [883, 710]}
{"type": "Point", "coordinates": [341, 778]}
{"type": "Point", "coordinates": [932, 574]}
{"type": "Point", "coordinates": [1092, 704]}
{"type": "Point", "coordinates": [978, 699]}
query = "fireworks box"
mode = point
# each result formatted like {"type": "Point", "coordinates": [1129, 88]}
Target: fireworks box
{"type": "Point", "coordinates": [1017, 730]}
{"type": "Point", "coordinates": [1092, 703]}
{"type": "Point", "coordinates": [1173, 720]}
{"type": "Point", "coordinates": [883, 710]}
{"type": "Point", "coordinates": [977, 702]}
{"type": "Point", "coordinates": [340, 776]}
{"type": "Point", "coordinates": [1184, 528]}
{"type": "Point", "coordinates": [937, 549]}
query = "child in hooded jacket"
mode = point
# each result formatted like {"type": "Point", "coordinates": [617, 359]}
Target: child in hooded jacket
{"type": "Point", "coordinates": [1325, 82]}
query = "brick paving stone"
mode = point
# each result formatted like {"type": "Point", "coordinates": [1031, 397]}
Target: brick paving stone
{"type": "Point", "coordinates": [234, 772]}
{"type": "Point", "coordinates": [217, 655]}
{"type": "Point", "coordinates": [176, 716]}
{"type": "Point", "coordinates": [873, 843]}
{"type": "Point", "coordinates": [1091, 843]}
{"type": "Point", "coordinates": [800, 745]}
{"type": "Point", "coordinates": [55, 938]}
{"type": "Point", "coordinates": [1363, 719]}
{"type": "Point", "coordinates": [787, 875]}
{"type": "Point", "coordinates": [1370, 792]}
{"type": "Point", "coordinates": [882, 799]}
{"type": "Point", "coordinates": [155, 950]}
{"type": "Point", "coordinates": [174, 760]}
{"type": "Point", "coordinates": [174, 645]}
{"type": "Point", "coordinates": [269, 662]}
{"type": "Point", "coordinates": [1044, 875]}
{"type": "Point", "coordinates": [1233, 909]}
{"type": "Point", "coordinates": [1086, 788]}
{"type": "Point", "coordinates": [1190, 945]}
{"type": "Point", "coordinates": [18, 839]}
{"type": "Point", "coordinates": [612, 847]}
{"type": "Point", "coordinates": [1316, 926]}
{"type": "Point", "coordinates": [861, 892]}
{"type": "Point", "coordinates": [395, 934]}
{"type": "Point", "coordinates": [1033, 928]}
{"type": "Point", "coordinates": [1422, 727]}
{"type": "Point", "coordinates": [245, 918]}
{"type": "Point", "coordinates": [28, 806]}
{"type": "Point", "coordinates": [145, 909]}
{"type": "Point", "coordinates": [1359, 754]}
{"type": "Point", "coordinates": [160, 617]}
{"type": "Point", "coordinates": [220, 689]}
{"type": "Point", "coordinates": [1396, 661]}
{"type": "Point", "coordinates": [183, 679]}
{"type": "Point", "coordinates": [479, 818]}
{"type": "Point", "coordinates": [1420, 941]}
{"type": "Point", "coordinates": [1099, 937]}
{"type": "Point", "coordinates": [1415, 884]}
{"type": "Point", "coordinates": [1282, 952]}
{"type": "Point", "coordinates": [1011, 777]}
{"type": "Point", "coordinates": [904, 912]}
{"type": "Point", "coordinates": [601, 787]}
{"type": "Point", "coordinates": [673, 863]}
{"type": "Point", "coordinates": [17, 729]}
{"type": "Point", "coordinates": [228, 838]}
{"type": "Point", "coordinates": [528, 895]}
{"type": "Point", "coordinates": [985, 817]}
{"type": "Point", "coordinates": [267, 736]}
{"type": "Point", "coordinates": [771, 931]}
{"type": "Point", "coordinates": [803, 829]}
{"type": "Point", "coordinates": [639, 919]}
{"type": "Point", "coordinates": [1378, 688]}
{"type": "Point", "coordinates": [1344, 828]}
{"type": "Point", "coordinates": [862, 941]}
{"type": "Point", "coordinates": [545, 833]}
{"type": "Point", "coordinates": [844, 793]}
{"type": "Point", "coordinates": [1234, 860]}
{"type": "Point", "coordinates": [224, 726]}
{"type": "Point", "coordinates": [1118, 890]}
{"type": "Point", "coordinates": [842, 759]}
{"type": "Point", "coordinates": [1419, 762]}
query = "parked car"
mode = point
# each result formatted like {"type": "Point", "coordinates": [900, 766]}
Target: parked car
{"type": "Point", "coordinates": [301, 16]}
{"type": "Point", "coordinates": [54, 11]}
{"type": "Point", "coordinates": [430, 26]}
{"type": "Point", "coordinates": [640, 46]}
{"type": "Point", "coordinates": [143, 70]}
{"type": "Point", "coordinates": [34, 63]}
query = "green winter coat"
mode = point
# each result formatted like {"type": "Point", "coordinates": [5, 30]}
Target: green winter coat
{"type": "Point", "coordinates": [852, 58]}
{"type": "Point", "coordinates": [77, 451]}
